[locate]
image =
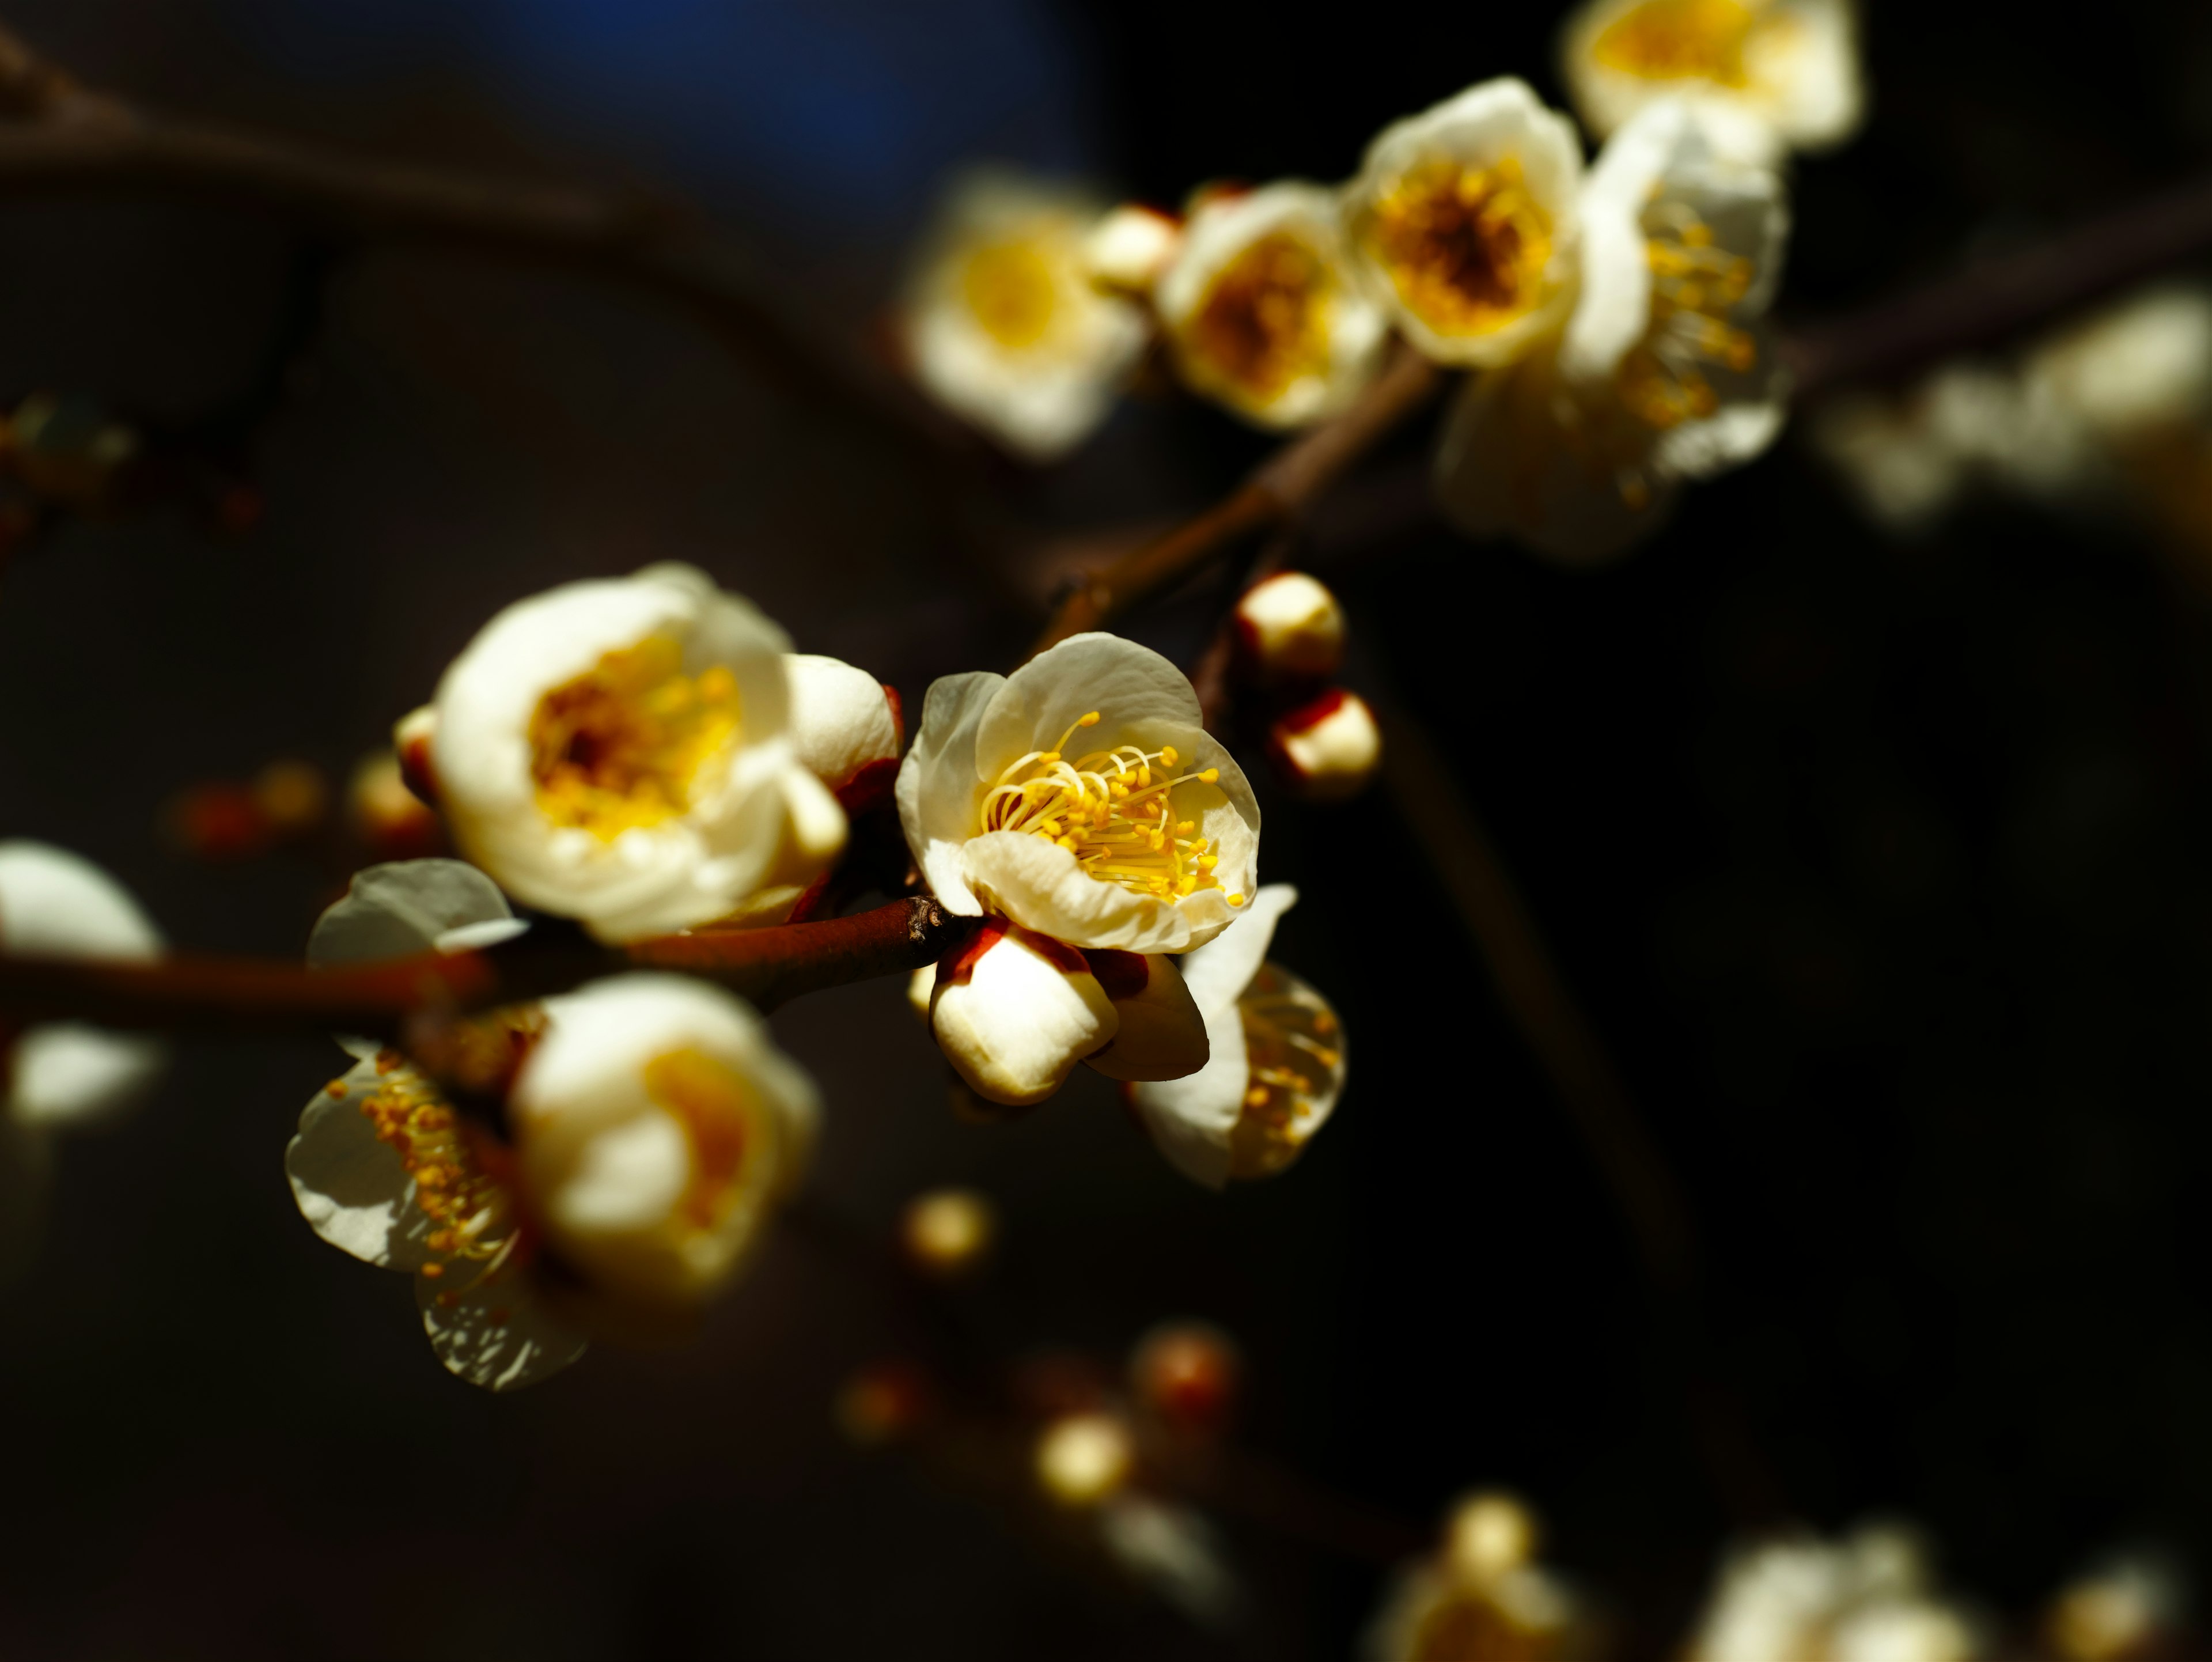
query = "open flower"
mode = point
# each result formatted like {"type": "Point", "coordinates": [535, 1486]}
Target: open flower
{"type": "Point", "coordinates": [1768, 74]}
{"type": "Point", "coordinates": [1275, 1061]}
{"type": "Point", "coordinates": [1263, 311]}
{"type": "Point", "coordinates": [1663, 372]}
{"type": "Point", "coordinates": [1463, 218]}
{"type": "Point", "coordinates": [1002, 322]}
{"type": "Point", "coordinates": [651, 1124]}
{"type": "Point", "coordinates": [1082, 799]}
{"type": "Point", "coordinates": [1482, 1593]}
{"type": "Point", "coordinates": [617, 751]}
{"type": "Point", "coordinates": [1863, 1599]}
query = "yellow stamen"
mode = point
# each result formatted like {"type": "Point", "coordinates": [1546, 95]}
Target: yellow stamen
{"type": "Point", "coordinates": [1466, 247]}
{"type": "Point", "coordinates": [625, 745]}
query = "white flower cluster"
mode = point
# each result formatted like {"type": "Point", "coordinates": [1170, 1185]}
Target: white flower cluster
{"type": "Point", "coordinates": [2117, 404]}
{"type": "Point", "coordinates": [1610, 321]}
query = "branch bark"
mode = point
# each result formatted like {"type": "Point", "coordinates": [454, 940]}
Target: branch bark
{"type": "Point", "coordinates": [243, 994]}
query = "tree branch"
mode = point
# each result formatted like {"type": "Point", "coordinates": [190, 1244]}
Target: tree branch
{"type": "Point", "coordinates": [241, 995]}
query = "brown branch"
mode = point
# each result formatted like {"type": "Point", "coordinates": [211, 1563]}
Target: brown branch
{"type": "Point", "coordinates": [240, 995]}
{"type": "Point", "coordinates": [1276, 492]}
{"type": "Point", "coordinates": [2000, 295]}
{"type": "Point", "coordinates": [64, 140]}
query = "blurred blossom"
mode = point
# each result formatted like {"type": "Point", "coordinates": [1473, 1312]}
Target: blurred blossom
{"type": "Point", "coordinates": [1463, 221]}
{"type": "Point", "coordinates": [1275, 1065]}
{"type": "Point", "coordinates": [1769, 75]}
{"type": "Point", "coordinates": [948, 1232]}
{"type": "Point", "coordinates": [619, 751]}
{"type": "Point", "coordinates": [1263, 311]}
{"type": "Point", "coordinates": [2087, 416]}
{"type": "Point", "coordinates": [2117, 1612]}
{"type": "Point", "coordinates": [1289, 627]}
{"type": "Point", "coordinates": [1083, 1459]}
{"type": "Point", "coordinates": [1663, 372]}
{"type": "Point", "coordinates": [1173, 1551]}
{"type": "Point", "coordinates": [846, 727]}
{"type": "Point", "coordinates": [286, 802]}
{"type": "Point", "coordinates": [882, 1403]}
{"type": "Point", "coordinates": [1186, 1374]}
{"type": "Point", "coordinates": [1129, 248]}
{"type": "Point", "coordinates": [1326, 749]}
{"type": "Point", "coordinates": [1866, 1598]}
{"type": "Point", "coordinates": [1482, 1595]}
{"type": "Point", "coordinates": [1001, 322]}
{"type": "Point", "coordinates": [653, 1125]}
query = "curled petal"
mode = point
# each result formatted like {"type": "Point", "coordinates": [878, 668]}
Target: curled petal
{"type": "Point", "coordinates": [406, 907]}
{"type": "Point", "coordinates": [1162, 1035]}
{"type": "Point", "coordinates": [1042, 887]}
{"type": "Point", "coordinates": [939, 786]}
{"type": "Point", "coordinates": [1133, 685]}
{"type": "Point", "coordinates": [1217, 973]}
{"type": "Point", "coordinates": [1015, 1014]}
{"type": "Point", "coordinates": [840, 719]}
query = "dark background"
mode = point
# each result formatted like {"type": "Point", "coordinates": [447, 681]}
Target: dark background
{"type": "Point", "coordinates": [1885, 869]}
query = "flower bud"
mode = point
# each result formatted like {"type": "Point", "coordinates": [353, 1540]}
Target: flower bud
{"type": "Point", "coordinates": [1084, 1458]}
{"type": "Point", "coordinates": [1289, 628]}
{"type": "Point", "coordinates": [1186, 1372]}
{"type": "Point", "coordinates": [1014, 1012]}
{"type": "Point", "coordinates": [1327, 750]}
{"type": "Point", "coordinates": [948, 1232]}
{"type": "Point", "coordinates": [655, 1123]}
{"type": "Point", "coordinates": [1129, 247]}
{"type": "Point", "coordinates": [846, 727]}
{"type": "Point", "coordinates": [1488, 1534]}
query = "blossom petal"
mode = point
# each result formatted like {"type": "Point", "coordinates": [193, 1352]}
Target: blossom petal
{"type": "Point", "coordinates": [1041, 886]}
{"type": "Point", "coordinates": [1020, 1017]}
{"type": "Point", "coordinates": [399, 910]}
{"type": "Point", "coordinates": [841, 720]}
{"type": "Point", "coordinates": [65, 1073]}
{"type": "Point", "coordinates": [1191, 1119]}
{"type": "Point", "coordinates": [497, 1332]}
{"type": "Point", "coordinates": [349, 1184]}
{"type": "Point", "coordinates": [1132, 686]}
{"type": "Point", "coordinates": [1216, 973]}
{"type": "Point", "coordinates": [1162, 1035]}
{"type": "Point", "coordinates": [939, 787]}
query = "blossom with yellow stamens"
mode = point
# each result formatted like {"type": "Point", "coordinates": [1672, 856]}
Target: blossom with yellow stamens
{"type": "Point", "coordinates": [1664, 371]}
{"type": "Point", "coordinates": [1866, 1598]}
{"type": "Point", "coordinates": [618, 750]}
{"type": "Point", "coordinates": [650, 1124]}
{"type": "Point", "coordinates": [1769, 75]}
{"type": "Point", "coordinates": [1481, 1594]}
{"type": "Point", "coordinates": [1463, 221]}
{"type": "Point", "coordinates": [1082, 799]}
{"type": "Point", "coordinates": [1275, 1062]}
{"type": "Point", "coordinates": [1002, 322]}
{"type": "Point", "coordinates": [1262, 310]}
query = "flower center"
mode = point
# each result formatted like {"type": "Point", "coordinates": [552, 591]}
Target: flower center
{"type": "Point", "coordinates": [1264, 322]}
{"type": "Point", "coordinates": [1011, 288]}
{"type": "Point", "coordinates": [1466, 247]}
{"type": "Point", "coordinates": [1679, 39]}
{"type": "Point", "coordinates": [473, 1218]}
{"type": "Point", "coordinates": [1296, 1048]}
{"type": "Point", "coordinates": [1110, 811]}
{"type": "Point", "coordinates": [622, 745]}
{"type": "Point", "coordinates": [1664, 378]}
{"type": "Point", "coordinates": [1471, 1628]}
{"type": "Point", "coordinates": [722, 1117]}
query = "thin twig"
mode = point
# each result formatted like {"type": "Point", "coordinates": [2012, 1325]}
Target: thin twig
{"type": "Point", "coordinates": [1277, 491]}
{"type": "Point", "coordinates": [68, 140]}
{"type": "Point", "coordinates": [245, 995]}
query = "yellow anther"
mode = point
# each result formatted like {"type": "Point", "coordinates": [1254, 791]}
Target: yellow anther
{"type": "Point", "coordinates": [1168, 755]}
{"type": "Point", "coordinates": [1049, 758]}
{"type": "Point", "coordinates": [1236, 899]}
{"type": "Point", "coordinates": [1209, 776]}
{"type": "Point", "coordinates": [1185, 827]}
{"type": "Point", "coordinates": [1256, 1097]}
{"type": "Point", "coordinates": [1070, 844]}
{"type": "Point", "coordinates": [1090, 720]}
{"type": "Point", "coordinates": [1207, 862]}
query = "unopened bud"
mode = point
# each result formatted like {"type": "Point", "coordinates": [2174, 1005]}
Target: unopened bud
{"type": "Point", "coordinates": [919, 987]}
{"type": "Point", "coordinates": [411, 737]}
{"type": "Point", "coordinates": [1327, 750]}
{"type": "Point", "coordinates": [883, 1404]}
{"type": "Point", "coordinates": [1290, 628]}
{"type": "Point", "coordinates": [1186, 1373]}
{"type": "Point", "coordinates": [1488, 1534]}
{"type": "Point", "coordinates": [948, 1232]}
{"type": "Point", "coordinates": [1084, 1458]}
{"type": "Point", "coordinates": [390, 819]}
{"type": "Point", "coordinates": [1129, 248]}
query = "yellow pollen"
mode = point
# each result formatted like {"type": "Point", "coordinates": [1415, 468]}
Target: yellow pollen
{"type": "Point", "coordinates": [725, 1122]}
{"type": "Point", "coordinates": [1665, 380]}
{"type": "Point", "coordinates": [1236, 899]}
{"type": "Point", "coordinates": [472, 1215]}
{"type": "Point", "coordinates": [1679, 40]}
{"type": "Point", "coordinates": [623, 745]}
{"type": "Point", "coordinates": [1465, 247]}
{"type": "Point", "coordinates": [1012, 292]}
{"type": "Point", "coordinates": [1107, 810]}
{"type": "Point", "coordinates": [1292, 1073]}
{"type": "Point", "coordinates": [1263, 323]}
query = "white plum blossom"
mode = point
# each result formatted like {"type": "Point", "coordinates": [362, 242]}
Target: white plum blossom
{"type": "Point", "coordinates": [1081, 798]}
{"type": "Point", "coordinates": [1462, 219]}
{"type": "Point", "coordinates": [1262, 310]}
{"type": "Point", "coordinates": [651, 1124]}
{"type": "Point", "coordinates": [1767, 76]}
{"type": "Point", "coordinates": [1662, 373]}
{"type": "Point", "coordinates": [55, 904]}
{"type": "Point", "coordinates": [620, 751]}
{"type": "Point", "coordinates": [1866, 1598]}
{"type": "Point", "coordinates": [1001, 320]}
{"type": "Point", "coordinates": [1275, 1059]}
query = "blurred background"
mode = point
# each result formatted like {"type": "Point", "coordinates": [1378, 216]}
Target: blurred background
{"type": "Point", "coordinates": [1884, 866]}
